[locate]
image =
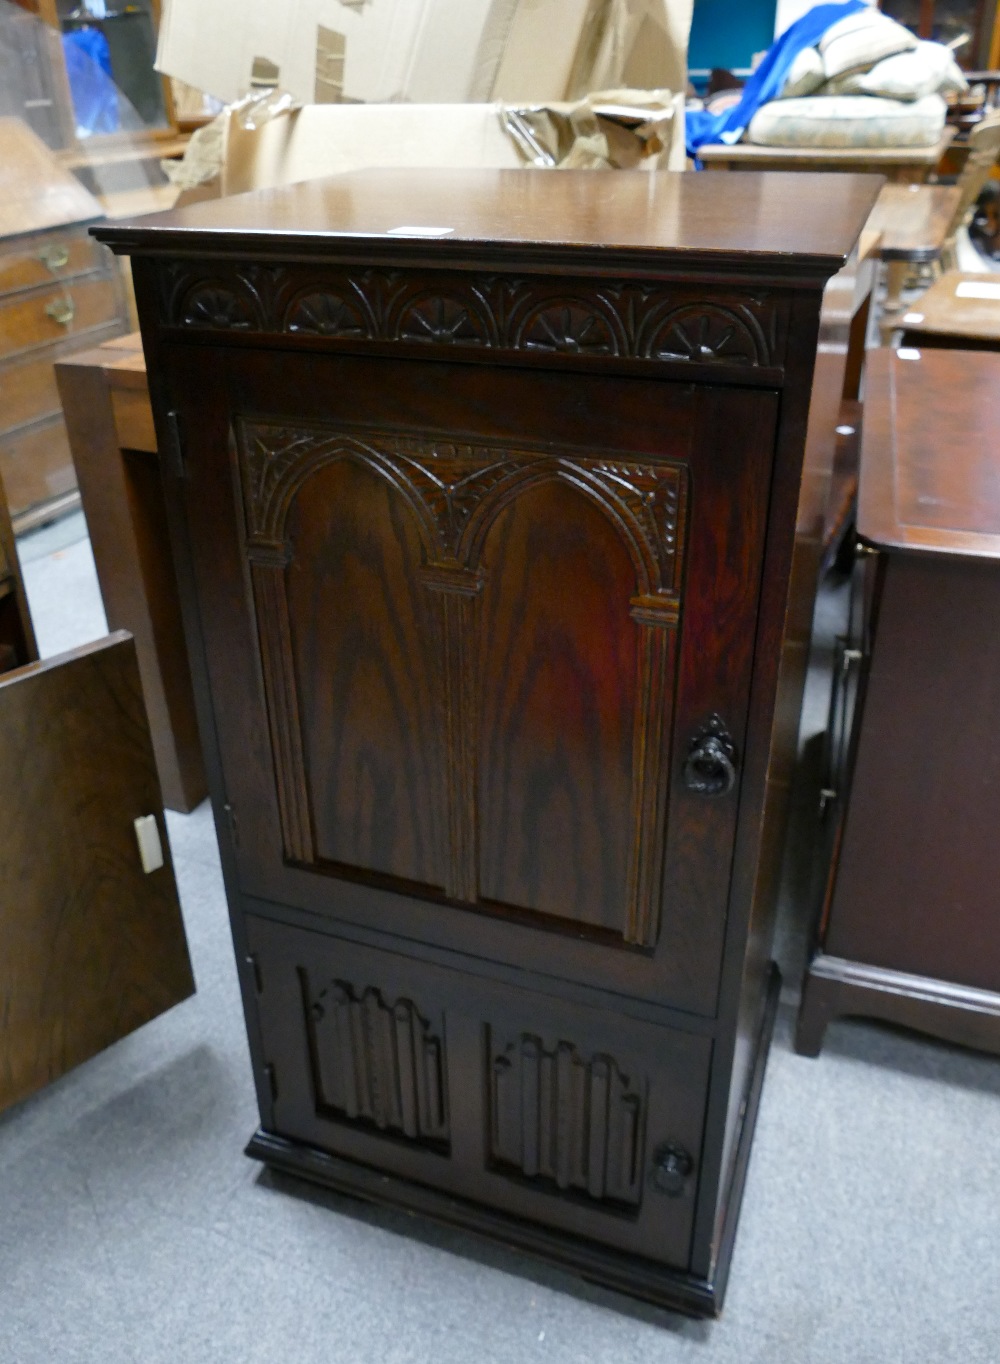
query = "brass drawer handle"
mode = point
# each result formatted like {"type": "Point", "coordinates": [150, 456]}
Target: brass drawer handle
{"type": "Point", "coordinates": [54, 257]}
{"type": "Point", "coordinates": [61, 310]}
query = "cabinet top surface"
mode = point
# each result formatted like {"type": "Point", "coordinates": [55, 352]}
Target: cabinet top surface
{"type": "Point", "coordinates": [779, 219]}
{"type": "Point", "coordinates": [930, 480]}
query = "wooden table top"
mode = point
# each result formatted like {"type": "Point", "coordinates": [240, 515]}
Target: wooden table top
{"type": "Point", "coordinates": [913, 220]}
{"type": "Point", "coordinates": [800, 223]}
{"type": "Point", "coordinates": [930, 477]}
{"type": "Point", "coordinates": [955, 306]}
{"type": "Point", "coordinates": [748, 156]}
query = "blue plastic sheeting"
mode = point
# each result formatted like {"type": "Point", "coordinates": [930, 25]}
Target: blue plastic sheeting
{"type": "Point", "coordinates": [767, 81]}
{"type": "Point", "coordinates": [95, 95]}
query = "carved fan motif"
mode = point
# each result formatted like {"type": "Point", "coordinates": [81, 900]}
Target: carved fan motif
{"type": "Point", "coordinates": [568, 329]}
{"type": "Point", "coordinates": [218, 308]}
{"type": "Point", "coordinates": [326, 314]}
{"type": "Point", "coordinates": [706, 335]}
{"type": "Point", "coordinates": [665, 324]}
{"type": "Point", "coordinates": [443, 319]}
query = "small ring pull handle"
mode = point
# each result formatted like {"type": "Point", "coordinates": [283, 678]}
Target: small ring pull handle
{"type": "Point", "coordinates": [672, 1167]}
{"type": "Point", "coordinates": [61, 310]}
{"type": "Point", "coordinates": [710, 766]}
{"type": "Point", "coordinates": [54, 257]}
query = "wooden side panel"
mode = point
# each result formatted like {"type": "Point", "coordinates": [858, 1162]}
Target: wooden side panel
{"type": "Point", "coordinates": [557, 679]}
{"type": "Point", "coordinates": [92, 945]}
{"type": "Point", "coordinates": [919, 864]}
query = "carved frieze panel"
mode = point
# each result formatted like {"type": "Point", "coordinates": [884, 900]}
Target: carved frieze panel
{"type": "Point", "coordinates": [376, 1062]}
{"type": "Point", "coordinates": [672, 323]}
{"type": "Point", "coordinates": [573, 1120]}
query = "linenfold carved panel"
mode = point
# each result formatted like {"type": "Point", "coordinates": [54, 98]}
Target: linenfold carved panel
{"type": "Point", "coordinates": [375, 1062]}
{"type": "Point", "coordinates": [664, 324]}
{"type": "Point", "coordinates": [572, 1120]}
{"type": "Point", "coordinates": [456, 493]}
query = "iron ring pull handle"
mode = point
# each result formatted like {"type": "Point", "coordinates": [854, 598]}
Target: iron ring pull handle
{"type": "Point", "coordinates": [710, 766]}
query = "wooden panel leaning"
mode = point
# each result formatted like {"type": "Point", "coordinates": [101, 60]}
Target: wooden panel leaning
{"type": "Point", "coordinates": [106, 406]}
{"type": "Point", "coordinates": [909, 930]}
{"type": "Point", "coordinates": [93, 946]}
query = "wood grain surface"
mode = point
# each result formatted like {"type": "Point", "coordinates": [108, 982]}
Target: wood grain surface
{"type": "Point", "coordinates": [633, 213]}
{"type": "Point", "coordinates": [942, 317]}
{"type": "Point", "coordinates": [913, 220]}
{"type": "Point", "coordinates": [92, 946]}
{"type": "Point", "coordinates": [930, 481]}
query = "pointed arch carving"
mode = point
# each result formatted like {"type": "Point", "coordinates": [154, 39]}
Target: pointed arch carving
{"type": "Point", "coordinates": [456, 490]}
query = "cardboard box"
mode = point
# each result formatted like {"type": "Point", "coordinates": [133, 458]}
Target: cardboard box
{"type": "Point", "coordinates": [323, 139]}
{"type": "Point", "coordinates": [326, 50]}
{"type": "Point", "coordinates": [426, 51]}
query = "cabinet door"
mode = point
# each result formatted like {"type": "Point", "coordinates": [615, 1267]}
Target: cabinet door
{"type": "Point", "coordinates": [575, 1118]}
{"type": "Point", "coordinates": [465, 627]}
{"type": "Point", "coordinates": [93, 945]}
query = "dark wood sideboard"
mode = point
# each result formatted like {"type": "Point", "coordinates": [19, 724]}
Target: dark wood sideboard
{"type": "Point", "coordinates": [909, 930]}
{"type": "Point", "coordinates": [483, 490]}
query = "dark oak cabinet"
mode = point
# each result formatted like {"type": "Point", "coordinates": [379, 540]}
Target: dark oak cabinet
{"type": "Point", "coordinates": [486, 539]}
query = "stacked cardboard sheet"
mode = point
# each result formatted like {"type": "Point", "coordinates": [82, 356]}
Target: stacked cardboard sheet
{"type": "Point", "coordinates": [425, 51]}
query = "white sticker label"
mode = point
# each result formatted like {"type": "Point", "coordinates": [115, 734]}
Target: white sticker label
{"type": "Point", "coordinates": [908, 353]}
{"type": "Point", "coordinates": [419, 231]}
{"type": "Point", "coordinates": [913, 317]}
{"type": "Point", "coordinates": [970, 290]}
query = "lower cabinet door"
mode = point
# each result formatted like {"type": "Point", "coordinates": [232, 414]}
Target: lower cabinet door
{"type": "Point", "coordinates": [575, 1117]}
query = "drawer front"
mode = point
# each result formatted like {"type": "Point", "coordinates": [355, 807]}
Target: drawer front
{"type": "Point", "coordinates": [44, 260]}
{"type": "Point", "coordinates": [29, 393]}
{"type": "Point", "coordinates": [36, 465]}
{"type": "Point", "coordinates": [493, 687]}
{"type": "Point", "coordinates": [51, 314]}
{"type": "Point", "coordinates": [568, 1116]}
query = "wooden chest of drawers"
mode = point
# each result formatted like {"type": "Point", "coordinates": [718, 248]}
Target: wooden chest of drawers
{"type": "Point", "coordinates": [483, 490]}
{"type": "Point", "coordinates": [59, 291]}
{"type": "Point", "coordinates": [909, 931]}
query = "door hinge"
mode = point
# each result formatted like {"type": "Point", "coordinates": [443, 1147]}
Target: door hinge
{"type": "Point", "coordinates": [254, 965]}
{"type": "Point", "coordinates": [234, 828]}
{"type": "Point", "coordinates": [173, 455]}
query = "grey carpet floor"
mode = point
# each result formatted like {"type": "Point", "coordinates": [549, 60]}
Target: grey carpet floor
{"type": "Point", "coordinates": [133, 1229]}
